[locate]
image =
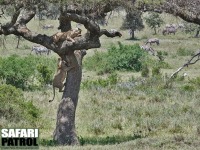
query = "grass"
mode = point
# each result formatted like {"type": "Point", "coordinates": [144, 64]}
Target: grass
{"type": "Point", "coordinates": [136, 113]}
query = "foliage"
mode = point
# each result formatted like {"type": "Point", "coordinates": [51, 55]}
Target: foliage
{"type": "Point", "coordinates": [154, 21]}
{"type": "Point", "coordinates": [112, 79]}
{"type": "Point", "coordinates": [98, 62]}
{"type": "Point", "coordinates": [156, 71]}
{"type": "Point", "coordinates": [145, 71]}
{"type": "Point", "coordinates": [184, 52]}
{"type": "Point", "coordinates": [190, 28]}
{"type": "Point", "coordinates": [133, 21]}
{"type": "Point", "coordinates": [187, 87]}
{"type": "Point", "coordinates": [195, 81]}
{"type": "Point", "coordinates": [45, 74]}
{"type": "Point", "coordinates": [13, 106]}
{"type": "Point", "coordinates": [16, 71]}
{"type": "Point", "coordinates": [22, 72]}
{"type": "Point", "coordinates": [123, 57]}
{"type": "Point", "coordinates": [161, 54]}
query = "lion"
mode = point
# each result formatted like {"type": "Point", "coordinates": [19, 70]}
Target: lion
{"type": "Point", "coordinates": [69, 35]}
{"type": "Point", "coordinates": [60, 76]}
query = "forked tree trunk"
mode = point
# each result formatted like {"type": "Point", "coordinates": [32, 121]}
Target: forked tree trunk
{"type": "Point", "coordinates": [65, 133]}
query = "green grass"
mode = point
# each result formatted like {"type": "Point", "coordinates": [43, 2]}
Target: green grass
{"type": "Point", "coordinates": [134, 113]}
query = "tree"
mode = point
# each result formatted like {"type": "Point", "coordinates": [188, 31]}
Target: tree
{"type": "Point", "coordinates": [187, 10]}
{"type": "Point", "coordinates": [72, 53]}
{"type": "Point", "coordinates": [25, 10]}
{"type": "Point", "coordinates": [133, 22]}
{"type": "Point", "coordinates": [154, 21]}
{"type": "Point", "coordinates": [191, 27]}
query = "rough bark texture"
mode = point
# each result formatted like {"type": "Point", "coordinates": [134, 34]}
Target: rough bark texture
{"type": "Point", "coordinates": [188, 10]}
{"type": "Point", "coordinates": [73, 53]}
{"type": "Point", "coordinates": [65, 133]}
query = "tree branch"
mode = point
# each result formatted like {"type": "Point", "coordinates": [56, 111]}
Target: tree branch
{"type": "Point", "coordinates": [188, 10]}
{"type": "Point", "coordinates": [90, 25]}
{"type": "Point", "coordinates": [196, 56]}
{"type": "Point", "coordinates": [18, 27]}
{"type": "Point", "coordinates": [183, 10]}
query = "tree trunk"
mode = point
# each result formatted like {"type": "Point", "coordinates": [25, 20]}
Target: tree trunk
{"type": "Point", "coordinates": [65, 133]}
{"type": "Point", "coordinates": [155, 32]}
{"type": "Point", "coordinates": [133, 34]}
{"type": "Point", "coordinates": [197, 34]}
{"type": "Point", "coordinates": [18, 39]}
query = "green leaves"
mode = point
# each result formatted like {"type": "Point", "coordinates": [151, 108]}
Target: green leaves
{"type": "Point", "coordinates": [123, 57]}
{"type": "Point", "coordinates": [14, 107]}
{"type": "Point", "coordinates": [154, 21]}
{"type": "Point", "coordinates": [25, 72]}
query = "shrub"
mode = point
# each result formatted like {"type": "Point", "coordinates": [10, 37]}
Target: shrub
{"type": "Point", "coordinates": [98, 62]}
{"type": "Point", "coordinates": [123, 57]}
{"type": "Point", "coordinates": [24, 72]}
{"type": "Point", "coordinates": [45, 74]}
{"type": "Point", "coordinates": [195, 81]}
{"type": "Point", "coordinates": [189, 88]}
{"type": "Point", "coordinates": [128, 57]}
{"type": "Point", "coordinates": [184, 52]}
{"type": "Point", "coordinates": [16, 71]}
{"type": "Point", "coordinates": [13, 106]}
{"type": "Point", "coordinates": [156, 71]}
{"type": "Point", "coordinates": [160, 55]}
{"type": "Point", "coordinates": [145, 71]}
{"type": "Point", "coordinates": [111, 80]}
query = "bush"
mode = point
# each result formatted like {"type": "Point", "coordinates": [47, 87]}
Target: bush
{"type": "Point", "coordinates": [111, 80]}
{"type": "Point", "coordinates": [16, 71]}
{"type": "Point", "coordinates": [24, 72]}
{"type": "Point", "coordinates": [156, 71]}
{"type": "Point", "coordinates": [13, 106]}
{"type": "Point", "coordinates": [145, 71]}
{"type": "Point", "coordinates": [123, 57]}
{"type": "Point", "coordinates": [189, 88]}
{"type": "Point", "coordinates": [98, 62]}
{"type": "Point", "coordinates": [45, 74]}
{"type": "Point", "coordinates": [184, 52]}
{"type": "Point", "coordinates": [195, 81]}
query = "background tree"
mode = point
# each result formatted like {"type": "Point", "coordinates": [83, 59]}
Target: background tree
{"type": "Point", "coordinates": [154, 21]}
{"type": "Point", "coordinates": [191, 28]}
{"type": "Point", "coordinates": [133, 22]}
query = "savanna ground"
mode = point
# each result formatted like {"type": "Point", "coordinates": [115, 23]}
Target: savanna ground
{"type": "Point", "coordinates": [136, 112]}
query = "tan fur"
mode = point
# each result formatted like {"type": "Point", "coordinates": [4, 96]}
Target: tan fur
{"type": "Point", "coordinates": [60, 76]}
{"type": "Point", "coordinates": [69, 35]}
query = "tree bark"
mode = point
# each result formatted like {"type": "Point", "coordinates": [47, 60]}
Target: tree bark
{"type": "Point", "coordinates": [155, 32]}
{"type": "Point", "coordinates": [64, 133]}
{"type": "Point", "coordinates": [197, 34]}
{"type": "Point", "coordinates": [133, 34]}
{"type": "Point", "coordinates": [18, 39]}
